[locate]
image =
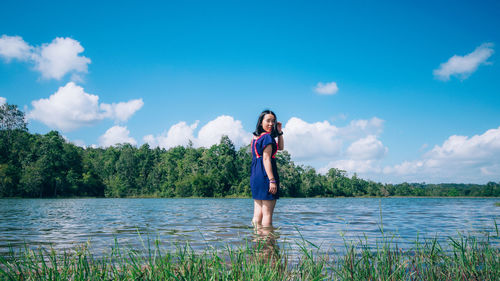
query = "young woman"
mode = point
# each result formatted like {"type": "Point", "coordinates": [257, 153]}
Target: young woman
{"type": "Point", "coordinates": [264, 179]}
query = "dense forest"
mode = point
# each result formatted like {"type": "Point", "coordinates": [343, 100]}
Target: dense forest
{"type": "Point", "coordinates": [34, 165]}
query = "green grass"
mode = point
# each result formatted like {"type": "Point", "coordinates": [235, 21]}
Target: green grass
{"type": "Point", "coordinates": [497, 204]}
{"type": "Point", "coordinates": [462, 258]}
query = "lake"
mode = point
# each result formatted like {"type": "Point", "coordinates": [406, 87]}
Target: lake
{"type": "Point", "coordinates": [65, 223]}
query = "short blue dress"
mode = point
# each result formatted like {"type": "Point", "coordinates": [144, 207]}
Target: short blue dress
{"type": "Point", "coordinates": [259, 181]}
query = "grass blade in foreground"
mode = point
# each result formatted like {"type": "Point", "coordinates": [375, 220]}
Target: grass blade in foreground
{"type": "Point", "coordinates": [467, 258]}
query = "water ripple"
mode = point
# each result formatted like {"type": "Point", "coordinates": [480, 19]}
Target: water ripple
{"type": "Point", "coordinates": [64, 223]}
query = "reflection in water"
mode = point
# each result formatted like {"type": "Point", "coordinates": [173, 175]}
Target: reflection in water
{"type": "Point", "coordinates": [265, 246]}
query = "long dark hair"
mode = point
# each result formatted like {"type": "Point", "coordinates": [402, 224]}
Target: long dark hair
{"type": "Point", "coordinates": [259, 130]}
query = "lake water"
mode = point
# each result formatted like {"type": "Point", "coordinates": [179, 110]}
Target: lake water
{"type": "Point", "coordinates": [65, 223]}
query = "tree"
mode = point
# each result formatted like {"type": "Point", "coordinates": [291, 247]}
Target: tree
{"type": "Point", "coordinates": [169, 169]}
{"type": "Point", "coordinates": [6, 181]}
{"type": "Point", "coordinates": [202, 185]}
{"type": "Point", "coordinates": [290, 179]}
{"type": "Point", "coordinates": [219, 162]}
{"type": "Point", "coordinates": [145, 159]}
{"type": "Point", "coordinates": [336, 179]}
{"type": "Point", "coordinates": [32, 178]}
{"type": "Point", "coordinates": [311, 183]}
{"type": "Point", "coordinates": [11, 118]}
{"type": "Point", "coordinates": [243, 164]}
{"type": "Point", "coordinates": [127, 170]}
{"type": "Point", "coordinates": [72, 168]}
{"type": "Point", "coordinates": [51, 153]}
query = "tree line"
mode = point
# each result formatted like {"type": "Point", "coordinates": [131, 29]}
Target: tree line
{"type": "Point", "coordinates": [35, 165]}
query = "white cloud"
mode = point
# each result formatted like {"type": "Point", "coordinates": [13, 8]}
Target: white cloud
{"type": "Point", "coordinates": [71, 108]}
{"type": "Point", "coordinates": [360, 128]}
{"type": "Point", "coordinates": [329, 88]}
{"type": "Point", "coordinates": [324, 140]}
{"type": "Point", "coordinates": [79, 143]}
{"type": "Point", "coordinates": [179, 134]}
{"type": "Point", "coordinates": [59, 57]}
{"type": "Point", "coordinates": [210, 134]}
{"type": "Point", "coordinates": [116, 135]}
{"type": "Point", "coordinates": [67, 109]}
{"type": "Point", "coordinates": [353, 166]}
{"type": "Point", "coordinates": [14, 47]}
{"type": "Point", "coordinates": [459, 158]}
{"type": "Point", "coordinates": [406, 167]}
{"type": "Point", "coordinates": [361, 156]}
{"type": "Point", "coordinates": [53, 60]}
{"type": "Point", "coordinates": [306, 141]}
{"type": "Point", "coordinates": [366, 149]}
{"type": "Point", "coordinates": [354, 148]}
{"type": "Point", "coordinates": [151, 140]}
{"type": "Point", "coordinates": [477, 148]}
{"type": "Point", "coordinates": [463, 66]}
{"type": "Point", "coordinates": [122, 111]}
{"type": "Point", "coordinates": [3, 100]}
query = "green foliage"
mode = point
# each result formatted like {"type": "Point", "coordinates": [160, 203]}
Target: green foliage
{"type": "Point", "coordinates": [462, 258]}
{"type": "Point", "coordinates": [33, 165]}
{"type": "Point", "coordinates": [11, 118]}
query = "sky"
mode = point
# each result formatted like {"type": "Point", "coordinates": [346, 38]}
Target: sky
{"type": "Point", "coordinates": [393, 91]}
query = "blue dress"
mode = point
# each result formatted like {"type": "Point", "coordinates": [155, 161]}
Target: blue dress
{"type": "Point", "coordinates": [259, 181]}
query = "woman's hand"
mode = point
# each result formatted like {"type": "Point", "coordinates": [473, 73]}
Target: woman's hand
{"type": "Point", "coordinates": [278, 127]}
{"type": "Point", "coordinates": [281, 143]}
{"type": "Point", "coordinates": [273, 188]}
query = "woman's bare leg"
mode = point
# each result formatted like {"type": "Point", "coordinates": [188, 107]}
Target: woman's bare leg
{"type": "Point", "coordinates": [267, 212]}
{"type": "Point", "coordinates": [257, 212]}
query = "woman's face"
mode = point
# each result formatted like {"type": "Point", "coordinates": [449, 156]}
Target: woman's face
{"type": "Point", "coordinates": [268, 122]}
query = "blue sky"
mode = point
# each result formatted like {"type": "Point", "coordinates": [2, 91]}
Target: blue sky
{"type": "Point", "coordinates": [390, 90]}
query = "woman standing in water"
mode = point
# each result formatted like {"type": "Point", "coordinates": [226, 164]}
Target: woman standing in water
{"type": "Point", "coordinates": [264, 179]}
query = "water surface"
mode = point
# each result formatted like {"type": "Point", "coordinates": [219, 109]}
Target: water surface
{"type": "Point", "coordinates": [64, 223]}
